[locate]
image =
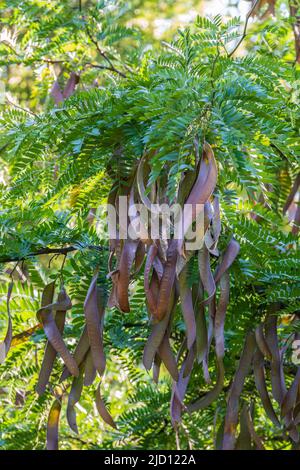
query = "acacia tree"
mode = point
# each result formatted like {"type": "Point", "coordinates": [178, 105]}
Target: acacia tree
{"type": "Point", "coordinates": [189, 122]}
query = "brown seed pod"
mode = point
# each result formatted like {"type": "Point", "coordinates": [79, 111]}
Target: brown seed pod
{"type": "Point", "coordinates": [52, 332]}
{"type": "Point", "coordinates": [93, 314]}
{"type": "Point", "coordinates": [52, 425]}
{"type": "Point", "coordinates": [5, 345]}
{"type": "Point", "coordinates": [102, 410]}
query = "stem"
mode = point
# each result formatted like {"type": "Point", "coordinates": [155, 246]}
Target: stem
{"type": "Point", "coordinates": [245, 28]}
{"type": "Point", "coordinates": [48, 251]}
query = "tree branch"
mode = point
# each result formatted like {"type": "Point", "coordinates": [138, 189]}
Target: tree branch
{"type": "Point", "coordinates": [254, 4]}
{"type": "Point", "coordinates": [48, 251]}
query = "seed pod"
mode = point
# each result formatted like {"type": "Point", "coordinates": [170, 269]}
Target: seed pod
{"type": "Point", "coordinates": [228, 258]}
{"type": "Point", "coordinates": [289, 400]}
{"type": "Point", "coordinates": [167, 280]}
{"type": "Point", "coordinates": [52, 332]}
{"type": "Point", "coordinates": [201, 191]}
{"type": "Point", "coordinates": [74, 397]}
{"type": "Point", "coordinates": [260, 381]}
{"type": "Point", "coordinates": [102, 410]}
{"type": "Point", "coordinates": [261, 341]}
{"type": "Point", "coordinates": [157, 333]}
{"type": "Point", "coordinates": [5, 345]}
{"type": "Point", "coordinates": [231, 418]}
{"type": "Point", "coordinates": [126, 262]}
{"type": "Point", "coordinates": [244, 439]}
{"type": "Point", "coordinates": [187, 308]}
{"type": "Point", "coordinates": [277, 377]}
{"type": "Point", "coordinates": [51, 353]}
{"type": "Point", "coordinates": [53, 424]}
{"type": "Point", "coordinates": [205, 273]}
{"type": "Point", "coordinates": [151, 299]}
{"type": "Point", "coordinates": [89, 370]}
{"type": "Point", "coordinates": [201, 327]}
{"type": "Point", "coordinates": [166, 355]}
{"type": "Point", "coordinates": [79, 354]}
{"type": "Point", "coordinates": [220, 314]}
{"type": "Point", "coordinates": [93, 315]}
{"type": "Point", "coordinates": [213, 394]}
{"type": "Point", "coordinates": [156, 368]}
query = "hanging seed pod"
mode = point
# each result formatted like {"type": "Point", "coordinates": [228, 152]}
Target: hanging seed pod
{"type": "Point", "coordinates": [157, 333]}
{"type": "Point", "coordinates": [50, 352]}
{"type": "Point", "coordinates": [187, 308]}
{"type": "Point", "coordinates": [261, 341]}
{"type": "Point", "coordinates": [228, 258]}
{"type": "Point", "coordinates": [93, 315]}
{"type": "Point", "coordinates": [52, 332]}
{"type": "Point", "coordinates": [79, 354]}
{"type": "Point", "coordinates": [213, 394]}
{"type": "Point", "coordinates": [89, 370]}
{"type": "Point", "coordinates": [231, 418]}
{"type": "Point", "coordinates": [200, 192]}
{"type": "Point", "coordinates": [260, 382]}
{"type": "Point", "coordinates": [53, 424]}
{"type": "Point", "coordinates": [5, 345]}
{"type": "Point", "coordinates": [102, 410]}
{"type": "Point", "coordinates": [126, 262]}
{"type": "Point", "coordinates": [165, 353]}
{"type": "Point", "coordinates": [277, 377]}
{"type": "Point", "coordinates": [167, 280]}
{"type": "Point", "coordinates": [220, 314]}
{"type": "Point", "coordinates": [156, 368]}
{"type": "Point", "coordinates": [244, 439]}
{"type": "Point", "coordinates": [74, 397]}
{"type": "Point", "coordinates": [205, 273]}
{"type": "Point", "coordinates": [201, 327]}
{"type": "Point", "coordinates": [150, 296]}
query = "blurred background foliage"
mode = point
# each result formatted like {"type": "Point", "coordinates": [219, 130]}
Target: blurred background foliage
{"type": "Point", "coordinates": [41, 43]}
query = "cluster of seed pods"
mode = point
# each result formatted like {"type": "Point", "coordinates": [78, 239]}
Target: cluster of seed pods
{"type": "Point", "coordinates": [166, 286]}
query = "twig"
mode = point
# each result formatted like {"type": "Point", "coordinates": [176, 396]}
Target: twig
{"type": "Point", "coordinates": [20, 107]}
{"type": "Point", "coordinates": [245, 28]}
{"type": "Point", "coordinates": [103, 54]}
{"type": "Point", "coordinates": [48, 251]}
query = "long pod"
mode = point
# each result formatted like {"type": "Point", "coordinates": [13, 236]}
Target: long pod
{"type": "Point", "coordinates": [228, 258]}
{"type": "Point", "coordinates": [74, 397]}
{"type": "Point", "coordinates": [80, 352]}
{"type": "Point", "coordinates": [213, 394]}
{"type": "Point", "coordinates": [89, 370]}
{"type": "Point", "coordinates": [187, 308]}
{"type": "Point", "coordinates": [231, 418]}
{"type": "Point", "coordinates": [52, 425]}
{"type": "Point", "coordinates": [261, 341]}
{"type": "Point", "coordinates": [52, 332]}
{"type": "Point", "coordinates": [166, 355]}
{"type": "Point", "coordinates": [157, 333]}
{"type": "Point", "coordinates": [201, 191]}
{"type": "Point", "coordinates": [93, 314]}
{"type": "Point", "coordinates": [5, 345]}
{"type": "Point", "coordinates": [51, 353]}
{"type": "Point", "coordinates": [167, 280]}
{"type": "Point", "coordinates": [277, 378]}
{"type": "Point", "coordinates": [206, 276]}
{"type": "Point", "coordinates": [102, 410]}
{"type": "Point", "coordinates": [126, 262]}
{"type": "Point", "coordinates": [260, 381]}
{"type": "Point", "coordinates": [151, 300]}
{"type": "Point", "coordinates": [289, 400]}
{"type": "Point", "coordinates": [220, 314]}
{"type": "Point", "coordinates": [201, 327]}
